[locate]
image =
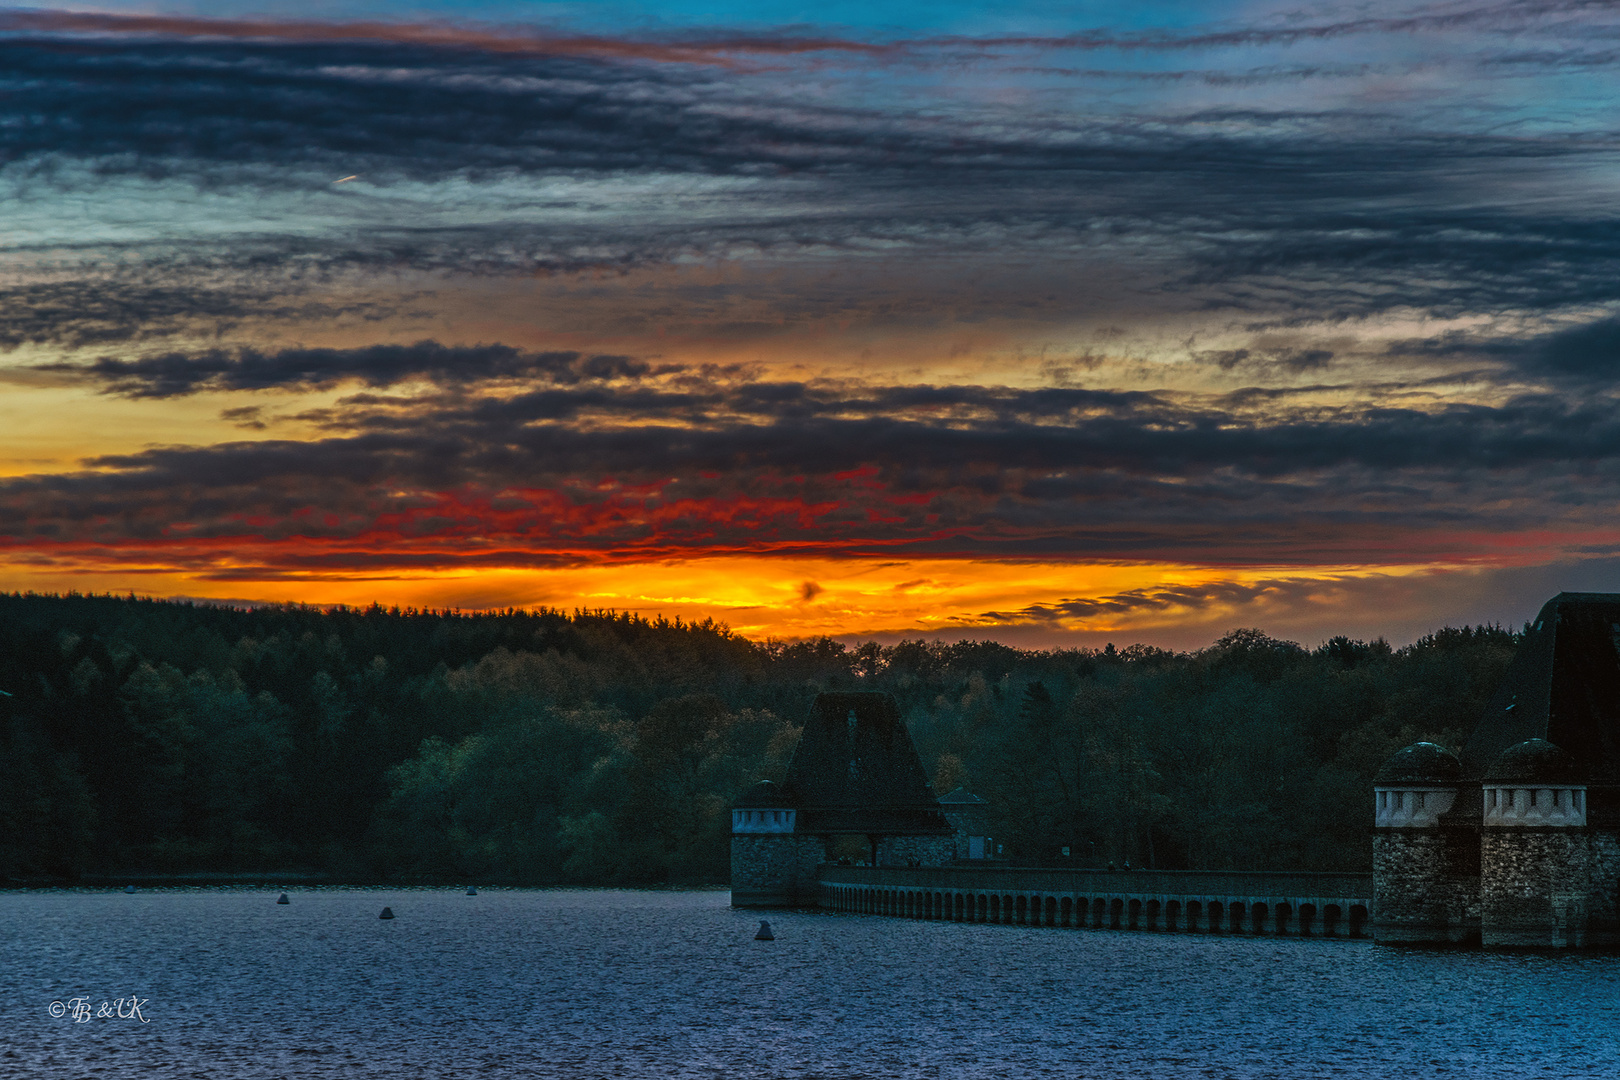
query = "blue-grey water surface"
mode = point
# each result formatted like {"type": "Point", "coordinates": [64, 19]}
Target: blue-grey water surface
{"type": "Point", "coordinates": [585, 984]}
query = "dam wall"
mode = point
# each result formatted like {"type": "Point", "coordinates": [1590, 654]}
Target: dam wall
{"type": "Point", "coordinates": [1208, 901]}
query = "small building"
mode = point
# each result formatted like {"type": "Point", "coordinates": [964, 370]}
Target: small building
{"type": "Point", "coordinates": [1516, 840]}
{"type": "Point", "coordinates": [970, 821]}
{"type": "Point", "coordinates": [855, 773]}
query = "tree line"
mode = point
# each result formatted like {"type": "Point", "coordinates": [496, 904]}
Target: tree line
{"type": "Point", "coordinates": [595, 747]}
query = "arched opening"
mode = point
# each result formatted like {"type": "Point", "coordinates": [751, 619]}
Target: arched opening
{"type": "Point", "coordinates": [1021, 909]}
{"type": "Point", "coordinates": [1151, 910]}
{"type": "Point", "coordinates": [995, 908]}
{"type": "Point", "coordinates": [1195, 916]}
{"type": "Point", "coordinates": [1051, 911]}
{"type": "Point", "coordinates": [1116, 913]}
{"type": "Point", "coordinates": [1172, 915]}
{"type": "Point", "coordinates": [1235, 917]}
{"type": "Point", "coordinates": [1099, 913]}
{"type": "Point", "coordinates": [1257, 918]}
{"type": "Point", "coordinates": [1066, 911]}
{"type": "Point", "coordinates": [1358, 919]}
{"type": "Point", "coordinates": [1133, 913]}
{"type": "Point", "coordinates": [1216, 914]}
{"type": "Point", "coordinates": [1285, 915]}
{"type": "Point", "coordinates": [1009, 911]}
{"type": "Point", "coordinates": [1331, 916]}
{"type": "Point", "coordinates": [1307, 917]}
{"type": "Point", "coordinates": [982, 912]}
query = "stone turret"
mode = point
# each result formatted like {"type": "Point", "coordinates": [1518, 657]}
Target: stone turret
{"type": "Point", "coordinates": [772, 865]}
{"type": "Point", "coordinates": [1425, 867]}
{"type": "Point", "coordinates": [1534, 849]}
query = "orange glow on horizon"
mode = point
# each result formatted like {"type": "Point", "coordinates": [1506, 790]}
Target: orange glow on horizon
{"type": "Point", "coordinates": [791, 598]}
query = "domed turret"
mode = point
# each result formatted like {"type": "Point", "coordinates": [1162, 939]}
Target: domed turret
{"type": "Point", "coordinates": [1415, 786]}
{"type": "Point", "coordinates": [1421, 763]}
{"type": "Point", "coordinates": [763, 808]}
{"type": "Point", "coordinates": [1535, 783]}
{"type": "Point", "coordinates": [1536, 761]}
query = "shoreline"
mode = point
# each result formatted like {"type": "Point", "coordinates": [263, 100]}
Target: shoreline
{"type": "Point", "coordinates": [219, 880]}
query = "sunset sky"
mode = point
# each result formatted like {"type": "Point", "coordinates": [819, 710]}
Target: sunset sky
{"type": "Point", "coordinates": [1050, 323]}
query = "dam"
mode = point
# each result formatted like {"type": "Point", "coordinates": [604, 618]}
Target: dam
{"type": "Point", "coordinates": [1198, 901]}
{"type": "Point", "coordinates": [1513, 841]}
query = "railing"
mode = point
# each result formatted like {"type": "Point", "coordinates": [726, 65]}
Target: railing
{"type": "Point", "coordinates": [1194, 884]}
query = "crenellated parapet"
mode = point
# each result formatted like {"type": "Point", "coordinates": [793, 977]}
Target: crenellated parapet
{"type": "Point", "coordinates": [1535, 784]}
{"type": "Point", "coordinates": [1415, 787]}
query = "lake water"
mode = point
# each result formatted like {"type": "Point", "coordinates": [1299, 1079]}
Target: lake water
{"type": "Point", "coordinates": [584, 984]}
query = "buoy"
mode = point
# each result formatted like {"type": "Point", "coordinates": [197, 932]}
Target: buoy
{"type": "Point", "coordinates": [282, 899]}
{"type": "Point", "coordinates": [129, 888]}
{"type": "Point", "coordinates": [764, 932]}
{"type": "Point", "coordinates": [471, 891]}
{"type": "Point", "coordinates": [387, 913]}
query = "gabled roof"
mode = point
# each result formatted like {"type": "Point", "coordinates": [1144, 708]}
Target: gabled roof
{"type": "Point", "coordinates": [1563, 686]}
{"type": "Point", "coordinates": [856, 770]}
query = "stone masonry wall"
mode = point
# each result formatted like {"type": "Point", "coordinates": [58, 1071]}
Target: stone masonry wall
{"type": "Point", "coordinates": [1536, 887]}
{"type": "Point", "coordinates": [916, 850]}
{"type": "Point", "coordinates": [1426, 886]}
{"type": "Point", "coordinates": [1603, 921]}
{"type": "Point", "coordinates": [774, 870]}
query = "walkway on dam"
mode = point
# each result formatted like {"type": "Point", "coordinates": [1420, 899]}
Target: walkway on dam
{"type": "Point", "coordinates": [1176, 900]}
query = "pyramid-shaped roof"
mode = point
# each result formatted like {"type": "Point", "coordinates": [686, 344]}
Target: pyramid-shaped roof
{"type": "Point", "coordinates": [856, 770]}
{"type": "Point", "coordinates": [1563, 686]}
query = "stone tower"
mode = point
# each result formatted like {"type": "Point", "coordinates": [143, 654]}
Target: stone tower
{"type": "Point", "coordinates": [1526, 850]}
{"type": "Point", "coordinates": [1535, 849]}
{"type": "Point", "coordinates": [855, 772]}
{"type": "Point", "coordinates": [1425, 870]}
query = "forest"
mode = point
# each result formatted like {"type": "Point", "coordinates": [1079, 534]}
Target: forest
{"type": "Point", "coordinates": [541, 747]}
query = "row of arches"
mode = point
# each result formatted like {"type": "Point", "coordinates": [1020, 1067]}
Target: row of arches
{"type": "Point", "coordinates": [1103, 912]}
